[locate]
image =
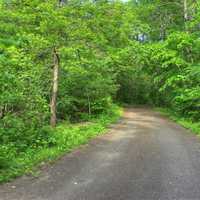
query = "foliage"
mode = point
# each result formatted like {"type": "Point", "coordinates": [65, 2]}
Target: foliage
{"type": "Point", "coordinates": [185, 122]}
{"type": "Point", "coordinates": [64, 138]}
{"type": "Point", "coordinates": [177, 73]}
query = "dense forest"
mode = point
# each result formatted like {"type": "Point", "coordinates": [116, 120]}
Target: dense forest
{"type": "Point", "coordinates": [71, 61]}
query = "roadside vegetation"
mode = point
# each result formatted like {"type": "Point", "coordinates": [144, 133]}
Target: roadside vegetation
{"type": "Point", "coordinates": [194, 127]}
{"type": "Point", "coordinates": [65, 64]}
{"type": "Point", "coordinates": [64, 138]}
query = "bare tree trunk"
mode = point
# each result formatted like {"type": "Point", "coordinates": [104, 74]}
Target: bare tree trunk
{"type": "Point", "coordinates": [53, 104]}
{"type": "Point", "coordinates": [1, 112]}
{"type": "Point", "coordinates": [89, 104]}
{"type": "Point", "coordinates": [185, 11]}
{"type": "Point", "coordinates": [54, 88]}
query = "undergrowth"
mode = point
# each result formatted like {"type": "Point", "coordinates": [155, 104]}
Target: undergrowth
{"type": "Point", "coordinates": [183, 121]}
{"type": "Point", "coordinates": [64, 138]}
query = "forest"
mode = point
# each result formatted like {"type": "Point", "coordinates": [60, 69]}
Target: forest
{"type": "Point", "coordinates": [66, 66]}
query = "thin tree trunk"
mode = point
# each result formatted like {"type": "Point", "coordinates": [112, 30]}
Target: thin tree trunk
{"type": "Point", "coordinates": [89, 104]}
{"type": "Point", "coordinates": [53, 104]}
{"type": "Point", "coordinates": [185, 11]}
{"type": "Point", "coordinates": [1, 112]}
{"type": "Point", "coordinates": [54, 88]}
{"type": "Point", "coordinates": [54, 95]}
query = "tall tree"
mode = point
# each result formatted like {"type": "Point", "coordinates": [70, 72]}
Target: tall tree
{"type": "Point", "coordinates": [56, 63]}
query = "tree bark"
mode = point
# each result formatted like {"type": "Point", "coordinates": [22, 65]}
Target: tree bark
{"type": "Point", "coordinates": [1, 112]}
{"type": "Point", "coordinates": [53, 119]}
{"type": "Point", "coordinates": [89, 104]}
{"type": "Point", "coordinates": [185, 5]}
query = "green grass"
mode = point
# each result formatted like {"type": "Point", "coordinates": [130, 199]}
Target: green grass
{"type": "Point", "coordinates": [185, 122]}
{"type": "Point", "coordinates": [66, 137]}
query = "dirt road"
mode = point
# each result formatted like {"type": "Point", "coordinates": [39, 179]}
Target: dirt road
{"type": "Point", "coordinates": [144, 156]}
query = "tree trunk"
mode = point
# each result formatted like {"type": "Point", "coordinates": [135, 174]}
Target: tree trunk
{"type": "Point", "coordinates": [89, 104]}
{"type": "Point", "coordinates": [1, 112]}
{"type": "Point", "coordinates": [54, 88]}
{"type": "Point", "coordinates": [185, 10]}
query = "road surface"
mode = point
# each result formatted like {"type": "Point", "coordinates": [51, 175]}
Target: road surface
{"type": "Point", "coordinates": [144, 156]}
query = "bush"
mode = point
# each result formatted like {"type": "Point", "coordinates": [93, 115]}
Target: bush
{"type": "Point", "coordinates": [7, 154]}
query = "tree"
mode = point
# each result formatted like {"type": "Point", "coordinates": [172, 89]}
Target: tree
{"type": "Point", "coordinates": [54, 87]}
